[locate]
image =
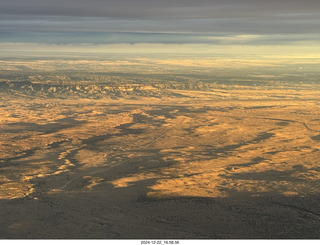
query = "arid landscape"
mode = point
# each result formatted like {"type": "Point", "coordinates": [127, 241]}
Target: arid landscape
{"type": "Point", "coordinates": [159, 148]}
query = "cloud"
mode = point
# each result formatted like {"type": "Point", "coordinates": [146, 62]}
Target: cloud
{"type": "Point", "coordinates": [96, 38]}
{"type": "Point", "coordinates": [158, 9]}
{"type": "Point", "coordinates": [86, 50]}
{"type": "Point", "coordinates": [204, 26]}
{"type": "Point", "coordinates": [165, 21]}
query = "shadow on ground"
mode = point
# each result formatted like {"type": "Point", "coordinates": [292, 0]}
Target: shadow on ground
{"type": "Point", "coordinates": [106, 212]}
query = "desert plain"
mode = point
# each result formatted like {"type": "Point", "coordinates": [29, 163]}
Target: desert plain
{"type": "Point", "coordinates": [149, 148]}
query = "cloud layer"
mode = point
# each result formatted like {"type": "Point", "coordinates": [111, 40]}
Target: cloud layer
{"type": "Point", "coordinates": [144, 9]}
{"type": "Point", "coordinates": [165, 21]}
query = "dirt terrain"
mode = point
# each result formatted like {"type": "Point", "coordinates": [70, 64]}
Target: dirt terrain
{"type": "Point", "coordinates": [168, 149]}
{"type": "Point", "coordinates": [197, 167]}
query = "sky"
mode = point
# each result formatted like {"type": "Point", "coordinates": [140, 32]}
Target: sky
{"type": "Point", "coordinates": [169, 24]}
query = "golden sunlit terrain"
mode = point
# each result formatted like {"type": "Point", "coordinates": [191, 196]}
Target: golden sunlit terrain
{"type": "Point", "coordinates": [170, 148]}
